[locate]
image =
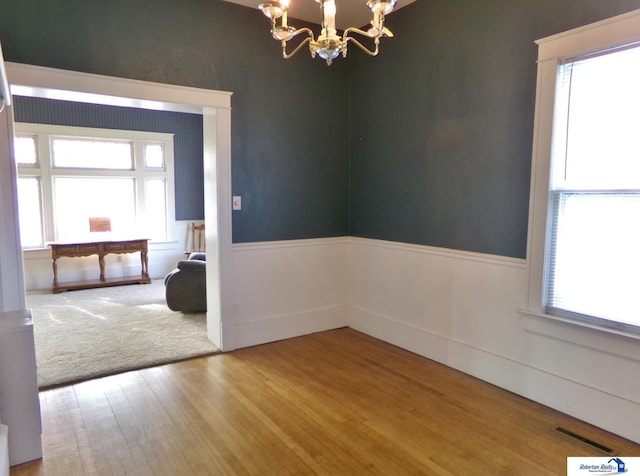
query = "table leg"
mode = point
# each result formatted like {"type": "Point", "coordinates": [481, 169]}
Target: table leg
{"type": "Point", "coordinates": [101, 262]}
{"type": "Point", "coordinates": [144, 262]}
{"type": "Point", "coordinates": [54, 265]}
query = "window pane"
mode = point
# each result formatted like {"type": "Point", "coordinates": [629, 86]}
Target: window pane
{"type": "Point", "coordinates": [596, 257]}
{"type": "Point", "coordinates": [25, 150]}
{"type": "Point", "coordinates": [154, 156]}
{"type": "Point", "coordinates": [156, 210]}
{"type": "Point", "coordinates": [30, 211]}
{"type": "Point", "coordinates": [91, 173]}
{"type": "Point", "coordinates": [92, 154]}
{"type": "Point", "coordinates": [78, 198]}
{"type": "Point", "coordinates": [602, 149]}
{"type": "Point", "coordinates": [593, 252]}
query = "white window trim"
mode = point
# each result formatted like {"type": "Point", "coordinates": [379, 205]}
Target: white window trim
{"type": "Point", "coordinates": [43, 168]}
{"type": "Point", "coordinates": [610, 33]}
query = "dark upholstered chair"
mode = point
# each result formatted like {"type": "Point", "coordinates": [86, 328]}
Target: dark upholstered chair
{"type": "Point", "coordinates": [186, 286]}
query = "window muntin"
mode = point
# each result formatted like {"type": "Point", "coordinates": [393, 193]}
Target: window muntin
{"type": "Point", "coordinates": [594, 192]}
{"type": "Point", "coordinates": [81, 188]}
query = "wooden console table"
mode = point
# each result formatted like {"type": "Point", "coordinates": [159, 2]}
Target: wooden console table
{"type": "Point", "coordinates": [100, 248]}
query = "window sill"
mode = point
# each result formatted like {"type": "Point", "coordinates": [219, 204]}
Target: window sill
{"type": "Point", "coordinates": [612, 341]}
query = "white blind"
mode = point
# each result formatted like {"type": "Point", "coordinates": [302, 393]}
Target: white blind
{"type": "Point", "coordinates": [593, 257]}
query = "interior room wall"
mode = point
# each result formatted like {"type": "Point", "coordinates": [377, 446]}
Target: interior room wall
{"type": "Point", "coordinates": [442, 121]}
{"type": "Point", "coordinates": [422, 153]}
{"type": "Point", "coordinates": [289, 119]}
{"type": "Point", "coordinates": [441, 164]}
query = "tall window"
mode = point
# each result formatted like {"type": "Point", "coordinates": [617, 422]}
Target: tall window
{"type": "Point", "coordinates": [593, 250]}
{"type": "Point", "coordinates": [67, 175]}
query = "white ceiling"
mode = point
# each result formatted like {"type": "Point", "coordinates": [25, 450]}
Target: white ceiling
{"type": "Point", "coordinates": [349, 12]}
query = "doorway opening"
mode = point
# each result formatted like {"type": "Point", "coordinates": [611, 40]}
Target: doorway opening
{"type": "Point", "coordinates": [214, 106]}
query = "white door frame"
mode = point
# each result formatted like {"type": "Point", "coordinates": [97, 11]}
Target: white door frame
{"type": "Point", "coordinates": [215, 107]}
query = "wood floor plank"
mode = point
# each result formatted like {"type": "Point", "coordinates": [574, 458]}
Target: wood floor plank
{"type": "Point", "coordinates": [336, 402]}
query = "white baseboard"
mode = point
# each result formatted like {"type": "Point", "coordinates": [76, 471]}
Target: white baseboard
{"type": "Point", "coordinates": [615, 414]}
{"type": "Point", "coordinates": [285, 327]}
{"type": "Point", "coordinates": [227, 338]}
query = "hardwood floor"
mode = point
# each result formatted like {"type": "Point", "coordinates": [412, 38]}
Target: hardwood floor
{"type": "Point", "coordinates": [336, 402]}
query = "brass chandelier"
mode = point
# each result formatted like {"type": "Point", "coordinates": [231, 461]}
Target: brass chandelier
{"type": "Point", "coordinates": [329, 44]}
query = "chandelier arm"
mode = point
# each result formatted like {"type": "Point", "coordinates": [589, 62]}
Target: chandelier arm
{"type": "Point", "coordinates": [364, 48]}
{"type": "Point", "coordinates": [297, 48]}
{"type": "Point", "coordinates": [359, 32]}
{"type": "Point", "coordinates": [301, 30]}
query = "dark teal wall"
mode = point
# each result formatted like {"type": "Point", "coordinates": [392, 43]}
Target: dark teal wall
{"type": "Point", "coordinates": [436, 130]}
{"type": "Point", "coordinates": [442, 121]}
{"type": "Point", "coordinates": [289, 118]}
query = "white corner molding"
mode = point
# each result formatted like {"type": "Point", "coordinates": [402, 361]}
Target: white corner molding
{"type": "Point", "coordinates": [12, 294]}
{"type": "Point", "coordinates": [40, 81]}
{"type": "Point", "coordinates": [609, 33]}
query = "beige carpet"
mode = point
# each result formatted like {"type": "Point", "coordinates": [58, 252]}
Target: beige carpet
{"type": "Point", "coordinates": [91, 333]}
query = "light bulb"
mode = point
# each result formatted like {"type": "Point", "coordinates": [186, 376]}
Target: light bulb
{"type": "Point", "coordinates": [328, 17]}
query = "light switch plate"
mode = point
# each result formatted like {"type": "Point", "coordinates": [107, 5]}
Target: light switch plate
{"type": "Point", "coordinates": [237, 202]}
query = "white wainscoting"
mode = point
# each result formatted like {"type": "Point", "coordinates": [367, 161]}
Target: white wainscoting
{"type": "Point", "coordinates": [459, 309]}
{"type": "Point", "coordinates": [19, 401]}
{"type": "Point", "coordinates": [288, 288]}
